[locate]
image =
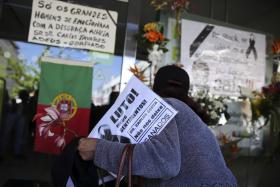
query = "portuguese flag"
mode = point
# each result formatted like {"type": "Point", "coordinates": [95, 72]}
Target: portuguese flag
{"type": "Point", "coordinates": [64, 102]}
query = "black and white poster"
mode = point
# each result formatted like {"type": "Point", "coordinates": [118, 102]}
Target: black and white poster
{"type": "Point", "coordinates": [220, 59]}
{"type": "Point", "coordinates": [64, 24]}
{"type": "Point", "coordinates": [137, 115]}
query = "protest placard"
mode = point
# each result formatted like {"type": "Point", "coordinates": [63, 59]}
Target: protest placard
{"type": "Point", "coordinates": [136, 116]}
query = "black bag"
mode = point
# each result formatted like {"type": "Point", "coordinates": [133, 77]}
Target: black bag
{"type": "Point", "coordinates": [70, 164]}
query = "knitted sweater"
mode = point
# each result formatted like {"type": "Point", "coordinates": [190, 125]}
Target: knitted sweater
{"type": "Point", "coordinates": [185, 153]}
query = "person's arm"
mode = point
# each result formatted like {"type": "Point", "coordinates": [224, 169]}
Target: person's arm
{"type": "Point", "coordinates": [159, 157]}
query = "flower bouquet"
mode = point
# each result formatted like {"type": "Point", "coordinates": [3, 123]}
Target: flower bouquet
{"type": "Point", "coordinates": [213, 105]}
{"type": "Point", "coordinates": [153, 36]}
{"type": "Point", "coordinates": [267, 104]}
{"type": "Point", "coordinates": [266, 111]}
{"type": "Point", "coordinates": [153, 42]}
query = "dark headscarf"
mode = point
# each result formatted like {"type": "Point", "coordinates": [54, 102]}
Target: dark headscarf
{"type": "Point", "coordinates": [171, 76]}
{"type": "Point", "coordinates": [173, 81]}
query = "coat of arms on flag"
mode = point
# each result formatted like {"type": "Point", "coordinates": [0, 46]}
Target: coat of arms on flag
{"type": "Point", "coordinates": [64, 103]}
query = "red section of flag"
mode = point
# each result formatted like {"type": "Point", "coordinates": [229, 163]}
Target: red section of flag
{"type": "Point", "coordinates": [78, 125]}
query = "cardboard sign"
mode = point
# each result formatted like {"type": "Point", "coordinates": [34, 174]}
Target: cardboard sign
{"type": "Point", "coordinates": [68, 25]}
{"type": "Point", "coordinates": [136, 116]}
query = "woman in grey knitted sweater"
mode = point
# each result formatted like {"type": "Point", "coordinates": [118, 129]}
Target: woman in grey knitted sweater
{"type": "Point", "coordinates": [185, 153]}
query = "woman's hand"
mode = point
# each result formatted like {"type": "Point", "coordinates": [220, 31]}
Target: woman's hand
{"type": "Point", "coordinates": [87, 147]}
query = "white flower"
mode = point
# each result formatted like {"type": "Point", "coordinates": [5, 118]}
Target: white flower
{"type": "Point", "coordinates": [52, 114]}
{"type": "Point", "coordinates": [41, 129]}
{"type": "Point", "coordinates": [46, 118]}
{"type": "Point", "coordinates": [44, 130]}
{"type": "Point", "coordinates": [211, 99]}
{"type": "Point", "coordinates": [60, 141]}
{"type": "Point", "coordinates": [50, 133]}
{"type": "Point", "coordinates": [155, 55]}
{"type": "Point", "coordinates": [216, 97]}
{"type": "Point", "coordinates": [219, 105]}
{"type": "Point", "coordinates": [214, 115]}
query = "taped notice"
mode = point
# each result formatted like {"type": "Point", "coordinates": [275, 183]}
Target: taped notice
{"type": "Point", "coordinates": [64, 24]}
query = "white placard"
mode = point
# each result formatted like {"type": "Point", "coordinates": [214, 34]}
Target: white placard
{"type": "Point", "coordinates": [221, 59]}
{"type": "Point", "coordinates": [136, 116]}
{"type": "Point", "coordinates": [68, 25]}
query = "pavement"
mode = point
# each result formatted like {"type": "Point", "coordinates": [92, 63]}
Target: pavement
{"type": "Point", "coordinates": [30, 170]}
{"type": "Point", "coordinates": [34, 170]}
{"type": "Point", "coordinates": [256, 171]}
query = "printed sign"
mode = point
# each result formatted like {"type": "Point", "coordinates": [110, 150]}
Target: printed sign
{"type": "Point", "coordinates": [221, 59]}
{"type": "Point", "coordinates": [136, 116]}
{"type": "Point", "coordinates": [63, 24]}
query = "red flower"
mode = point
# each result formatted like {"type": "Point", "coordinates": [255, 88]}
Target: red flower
{"type": "Point", "coordinates": [223, 138]}
{"type": "Point", "coordinates": [271, 89]}
{"type": "Point", "coordinates": [178, 4]}
{"type": "Point", "coordinates": [60, 141]}
{"type": "Point", "coordinates": [153, 36]}
{"type": "Point", "coordinates": [234, 149]}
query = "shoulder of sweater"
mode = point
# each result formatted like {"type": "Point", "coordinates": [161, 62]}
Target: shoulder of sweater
{"type": "Point", "coordinates": [177, 104]}
{"type": "Point", "coordinates": [183, 108]}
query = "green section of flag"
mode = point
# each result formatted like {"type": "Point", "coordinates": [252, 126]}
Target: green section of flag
{"type": "Point", "coordinates": [61, 78]}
